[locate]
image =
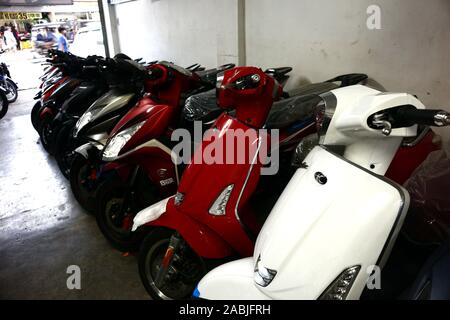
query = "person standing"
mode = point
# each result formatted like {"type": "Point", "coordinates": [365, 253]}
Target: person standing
{"type": "Point", "coordinates": [62, 40]}
{"type": "Point", "coordinates": [16, 35]}
{"type": "Point", "coordinates": [9, 41]}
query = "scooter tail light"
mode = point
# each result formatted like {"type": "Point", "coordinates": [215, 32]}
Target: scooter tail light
{"type": "Point", "coordinates": [220, 204]}
{"type": "Point", "coordinates": [262, 275]}
{"type": "Point", "coordinates": [341, 286]}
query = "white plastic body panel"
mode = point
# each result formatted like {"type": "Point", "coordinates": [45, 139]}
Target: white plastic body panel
{"type": "Point", "coordinates": [150, 213]}
{"type": "Point", "coordinates": [315, 231]}
{"type": "Point", "coordinates": [231, 281]}
{"type": "Point", "coordinates": [365, 146]}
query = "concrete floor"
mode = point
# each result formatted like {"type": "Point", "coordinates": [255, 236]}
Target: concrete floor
{"type": "Point", "coordinates": [43, 230]}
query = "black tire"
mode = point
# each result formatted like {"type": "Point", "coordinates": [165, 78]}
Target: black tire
{"type": "Point", "coordinates": [151, 253]}
{"type": "Point", "coordinates": [12, 91]}
{"type": "Point", "coordinates": [46, 133]}
{"type": "Point", "coordinates": [83, 189]}
{"type": "Point", "coordinates": [3, 105]}
{"type": "Point", "coordinates": [112, 217]}
{"type": "Point", "coordinates": [64, 149]}
{"type": "Point", "coordinates": [35, 121]}
{"type": "Point", "coordinates": [116, 208]}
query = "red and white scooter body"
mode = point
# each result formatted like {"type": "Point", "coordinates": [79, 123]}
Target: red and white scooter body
{"type": "Point", "coordinates": [337, 218]}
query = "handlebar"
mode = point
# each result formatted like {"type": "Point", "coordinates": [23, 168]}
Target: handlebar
{"type": "Point", "coordinates": [248, 82]}
{"type": "Point", "coordinates": [407, 116]}
{"type": "Point", "coordinates": [430, 117]}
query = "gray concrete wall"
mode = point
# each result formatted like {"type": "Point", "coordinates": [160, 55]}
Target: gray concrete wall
{"type": "Point", "coordinates": [186, 32]}
{"type": "Point", "coordinates": [319, 38]}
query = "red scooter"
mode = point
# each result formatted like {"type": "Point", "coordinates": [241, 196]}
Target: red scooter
{"type": "Point", "coordinates": [209, 218]}
{"type": "Point", "coordinates": [139, 169]}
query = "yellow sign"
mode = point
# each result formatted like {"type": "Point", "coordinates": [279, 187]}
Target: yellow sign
{"type": "Point", "coordinates": [20, 15]}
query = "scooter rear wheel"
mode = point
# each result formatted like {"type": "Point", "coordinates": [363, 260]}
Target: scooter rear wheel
{"type": "Point", "coordinates": [184, 271]}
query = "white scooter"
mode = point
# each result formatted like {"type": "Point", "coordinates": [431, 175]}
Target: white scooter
{"type": "Point", "coordinates": [339, 216]}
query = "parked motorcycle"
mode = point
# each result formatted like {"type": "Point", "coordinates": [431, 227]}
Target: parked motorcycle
{"type": "Point", "coordinates": [338, 206]}
{"type": "Point", "coordinates": [167, 86]}
{"type": "Point", "coordinates": [6, 83]}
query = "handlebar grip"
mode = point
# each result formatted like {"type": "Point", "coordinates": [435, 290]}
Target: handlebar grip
{"type": "Point", "coordinates": [430, 117]}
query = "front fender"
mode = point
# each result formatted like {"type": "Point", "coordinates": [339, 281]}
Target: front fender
{"type": "Point", "coordinates": [205, 242]}
{"type": "Point", "coordinates": [89, 149]}
{"type": "Point", "coordinates": [230, 281]}
{"type": "Point", "coordinates": [46, 111]}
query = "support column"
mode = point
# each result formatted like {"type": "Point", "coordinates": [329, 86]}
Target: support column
{"type": "Point", "coordinates": [109, 27]}
{"type": "Point", "coordinates": [242, 55]}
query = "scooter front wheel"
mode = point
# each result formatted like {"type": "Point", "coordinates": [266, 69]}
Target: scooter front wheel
{"type": "Point", "coordinates": [114, 215]}
{"type": "Point", "coordinates": [12, 91]}
{"type": "Point", "coordinates": [64, 148]}
{"type": "Point", "coordinates": [3, 105]}
{"type": "Point", "coordinates": [83, 182]}
{"type": "Point", "coordinates": [46, 133]}
{"type": "Point", "coordinates": [35, 121]}
{"type": "Point", "coordinates": [168, 267]}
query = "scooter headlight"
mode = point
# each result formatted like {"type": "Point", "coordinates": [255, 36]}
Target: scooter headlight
{"type": "Point", "coordinates": [84, 120]}
{"type": "Point", "coordinates": [116, 143]}
{"type": "Point", "coordinates": [263, 276]}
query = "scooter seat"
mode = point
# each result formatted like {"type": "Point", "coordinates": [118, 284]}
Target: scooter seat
{"type": "Point", "coordinates": [202, 107]}
{"type": "Point", "coordinates": [210, 75]}
{"type": "Point", "coordinates": [286, 112]}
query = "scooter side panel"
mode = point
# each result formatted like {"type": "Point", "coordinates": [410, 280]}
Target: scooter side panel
{"type": "Point", "coordinates": [201, 190]}
{"type": "Point", "coordinates": [157, 118]}
{"type": "Point", "coordinates": [155, 159]}
{"type": "Point", "coordinates": [317, 230]}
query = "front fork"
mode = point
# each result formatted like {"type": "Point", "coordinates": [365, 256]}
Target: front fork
{"type": "Point", "coordinates": [129, 198]}
{"type": "Point", "coordinates": [174, 244]}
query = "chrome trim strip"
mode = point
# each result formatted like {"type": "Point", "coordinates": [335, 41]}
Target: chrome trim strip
{"type": "Point", "coordinates": [245, 184]}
